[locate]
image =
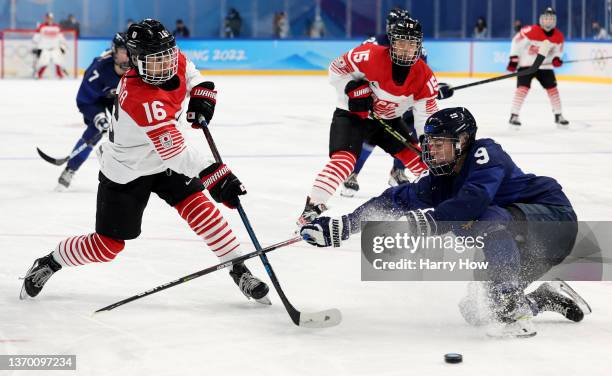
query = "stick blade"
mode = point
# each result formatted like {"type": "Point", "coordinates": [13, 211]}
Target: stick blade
{"type": "Point", "coordinates": [322, 319]}
{"type": "Point", "coordinates": [55, 161]}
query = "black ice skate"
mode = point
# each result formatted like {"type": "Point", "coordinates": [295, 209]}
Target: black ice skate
{"type": "Point", "coordinates": [557, 296]}
{"type": "Point", "coordinates": [40, 272]}
{"type": "Point", "coordinates": [561, 121]}
{"type": "Point", "coordinates": [350, 186]}
{"type": "Point", "coordinates": [514, 317]}
{"type": "Point", "coordinates": [250, 286]}
{"type": "Point", "coordinates": [397, 177]}
{"type": "Point", "coordinates": [65, 179]}
{"type": "Point", "coordinates": [514, 121]}
{"type": "Point", "coordinates": [311, 212]}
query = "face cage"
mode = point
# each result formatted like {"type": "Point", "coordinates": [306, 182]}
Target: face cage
{"type": "Point", "coordinates": [402, 58]}
{"type": "Point", "coordinates": [429, 159]}
{"type": "Point", "coordinates": [163, 66]}
{"type": "Point", "coordinates": [548, 21]}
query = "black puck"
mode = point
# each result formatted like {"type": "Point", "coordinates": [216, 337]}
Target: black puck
{"type": "Point", "coordinates": [453, 358]}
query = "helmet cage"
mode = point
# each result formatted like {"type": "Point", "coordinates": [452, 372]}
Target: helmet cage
{"type": "Point", "coordinates": [404, 57]}
{"type": "Point", "coordinates": [548, 21]}
{"type": "Point", "coordinates": [157, 68]}
{"type": "Point", "coordinates": [447, 163]}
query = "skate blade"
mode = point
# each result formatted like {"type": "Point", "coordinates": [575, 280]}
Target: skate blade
{"type": "Point", "coordinates": [60, 188]}
{"type": "Point", "coordinates": [323, 319]}
{"type": "Point", "coordinates": [514, 127]}
{"type": "Point", "coordinates": [562, 286]}
{"type": "Point", "coordinates": [346, 192]}
{"type": "Point", "coordinates": [516, 329]}
{"type": "Point", "coordinates": [563, 127]}
{"type": "Point", "coordinates": [265, 300]}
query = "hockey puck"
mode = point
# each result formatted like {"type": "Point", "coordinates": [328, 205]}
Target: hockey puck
{"type": "Point", "coordinates": [453, 358]}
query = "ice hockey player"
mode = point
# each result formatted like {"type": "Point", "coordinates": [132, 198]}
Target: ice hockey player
{"type": "Point", "coordinates": [386, 81]}
{"type": "Point", "coordinates": [397, 175]}
{"type": "Point", "coordinates": [523, 52]}
{"type": "Point", "coordinates": [49, 48]}
{"type": "Point", "coordinates": [147, 153]}
{"type": "Point", "coordinates": [95, 100]}
{"type": "Point", "coordinates": [475, 184]}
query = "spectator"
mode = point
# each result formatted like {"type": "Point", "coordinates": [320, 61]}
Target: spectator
{"type": "Point", "coordinates": [517, 25]}
{"type": "Point", "coordinates": [317, 28]}
{"type": "Point", "coordinates": [181, 30]}
{"type": "Point", "coordinates": [281, 25]}
{"type": "Point", "coordinates": [599, 33]}
{"type": "Point", "coordinates": [480, 29]}
{"type": "Point", "coordinates": [71, 23]}
{"type": "Point", "coordinates": [233, 24]}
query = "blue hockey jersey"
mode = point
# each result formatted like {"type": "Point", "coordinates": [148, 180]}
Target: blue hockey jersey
{"type": "Point", "coordinates": [488, 177]}
{"type": "Point", "coordinates": [97, 90]}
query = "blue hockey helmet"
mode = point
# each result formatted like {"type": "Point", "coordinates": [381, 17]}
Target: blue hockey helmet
{"type": "Point", "coordinates": [448, 135]}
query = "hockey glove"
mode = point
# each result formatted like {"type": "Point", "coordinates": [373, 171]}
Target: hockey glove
{"type": "Point", "coordinates": [37, 52]}
{"type": "Point", "coordinates": [445, 90]}
{"type": "Point", "coordinates": [222, 184]}
{"type": "Point", "coordinates": [360, 100]}
{"type": "Point", "coordinates": [101, 122]}
{"type": "Point", "coordinates": [202, 103]}
{"type": "Point", "coordinates": [326, 231]}
{"type": "Point", "coordinates": [512, 64]}
{"type": "Point", "coordinates": [421, 222]}
{"type": "Point", "coordinates": [557, 62]}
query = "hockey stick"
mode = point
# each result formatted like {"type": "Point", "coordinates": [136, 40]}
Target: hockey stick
{"type": "Point", "coordinates": [322, 319]}
{"type": "Point", "coordinates": [584, 60]}
{"type": "Point", "coordinates": [77, 151]}
{"type": "Point", "coordinates": [396, 134]}
{"type": "Point", "coordinates": [532, 69]}
{"type": "Point", "coordinates": [200, 273]}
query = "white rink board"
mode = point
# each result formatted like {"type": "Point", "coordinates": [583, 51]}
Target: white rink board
{"type": "Point", "coordinates": [273, 133]}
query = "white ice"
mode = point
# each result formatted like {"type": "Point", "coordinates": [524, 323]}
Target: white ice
{"type": "Point", "coordinates": [273, 132]}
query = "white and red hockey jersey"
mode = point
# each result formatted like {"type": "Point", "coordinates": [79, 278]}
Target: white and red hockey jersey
{"type": "Point", "coordinates": [373, 63]}
{"type": "Point", "coordinates": [526, 44]}
{"type": "Point", "coordinates": [49, 37]}
{"type": "Point", "coordinates": [144, 138]}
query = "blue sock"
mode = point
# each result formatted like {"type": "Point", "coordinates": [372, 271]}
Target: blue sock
{"type": "Point", "coordinates": [366, 150]}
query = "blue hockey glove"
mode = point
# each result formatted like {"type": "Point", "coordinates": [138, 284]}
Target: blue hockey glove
{"type": "Point", "coordinates": [326, 231]}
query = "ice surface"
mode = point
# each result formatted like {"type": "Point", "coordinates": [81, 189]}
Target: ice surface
{"type": "Point", "coordinates": [273, 132]}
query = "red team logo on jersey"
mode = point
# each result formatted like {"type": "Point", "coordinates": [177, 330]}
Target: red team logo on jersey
{"type": "Point", "coordinates": [385, 109]}
{"type": "Point", "coordinates": [166, 140]}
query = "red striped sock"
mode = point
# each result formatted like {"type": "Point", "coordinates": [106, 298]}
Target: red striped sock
{"type": "Point", "coordinates": [85, 249]}
{"type": "Point", "coordinates": [334, 173]}
{"type": "Point", "coordinates": [555, 99]}
{"type": "Point", "coordinates": [206, 220]}
{"type": "Point", "coordinates": [519, 98]}
{"type": "Point", "coordinates": [412, 160]}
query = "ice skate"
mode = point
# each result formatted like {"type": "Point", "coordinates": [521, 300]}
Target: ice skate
{"type": "Point", "coordinates": [557, 296]}
{"type": "Point", "coordinates": [36, 277]}
{"type": "Point", "coordinates": [249, 285]}
{"type": "Point", "coordinates": [513, 317]}
{"type": "Point", "coordinates": [311, 211]}
{"type": "Point", "coordinates": [561, 122]}
{"type": "Point", "coordinates": [397, 177]}
{"type": "Point", "coordinates": [63, 183]}
{"type": "Point", "coordinates": [350, 186]}
{"type": "Point", "coordinates": [514, 122]}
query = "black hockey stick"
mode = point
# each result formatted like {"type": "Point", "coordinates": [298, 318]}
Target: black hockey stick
{"type": "Point", "coordinates": [322, 319]}
{"type": "Point", "coordinates": [585, 60]}
{"type": "Point", "coordinates": [200, 273]}
{"type": "Point", "coordinates": [532, 69]}
{"type": "Point", "coordinates": [398, 136]}
{"type": "Point", "coordinates": [61, 161]}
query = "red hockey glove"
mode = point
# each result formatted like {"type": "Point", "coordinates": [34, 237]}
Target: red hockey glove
{"type": "Point", "coordinates": [557, 62]}
{"type": "Point", "coordinates": [202, 102]}
{"type": "Point", "coordinates": [512, 64]}
{"type": "Point", "coordinates": [360, 100]}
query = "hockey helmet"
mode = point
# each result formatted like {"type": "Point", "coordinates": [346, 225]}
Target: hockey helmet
{"type": "Point", "coordinates": [405, 38]}
{"type": "Point", "coordinates": [448, 135]}
{"type": "Point", "coordinates": [152, 51]}
{"type": "Point", "coordinates": [119, 51]}
{"type": "Point", "coordinates": [548, 19]}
